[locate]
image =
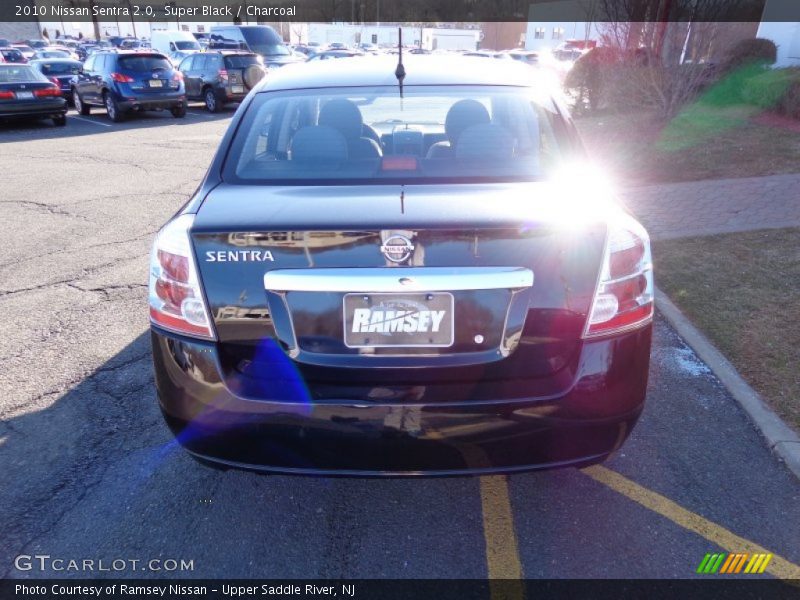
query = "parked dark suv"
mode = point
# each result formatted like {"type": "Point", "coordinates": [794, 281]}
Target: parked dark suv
{"type": "Point", "coordinates": [220, 77]}
{"type": "Point", "coordinates": [128, 81]}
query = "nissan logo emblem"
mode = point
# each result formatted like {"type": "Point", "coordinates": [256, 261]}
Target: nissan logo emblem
{"type": "Point", "coordinates": [397, 248]}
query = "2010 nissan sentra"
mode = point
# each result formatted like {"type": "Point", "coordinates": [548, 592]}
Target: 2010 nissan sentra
{"type": "Point", "coordinates": [399, 275]}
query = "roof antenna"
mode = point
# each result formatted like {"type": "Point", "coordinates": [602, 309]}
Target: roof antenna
{"type": "Point", "coordinates": [400, 71]}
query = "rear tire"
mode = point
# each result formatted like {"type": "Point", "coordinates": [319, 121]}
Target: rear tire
{"type": "Point", "coordinates": [178, 112]}
{"type": "Point", "coordinates": [60, 120]}
{"type": "Point", "coordinates": [212, 102]}
{"type": "Point", "coordinates": [112, 108]}
{"type": "Point", "coordinates": [79, 104]}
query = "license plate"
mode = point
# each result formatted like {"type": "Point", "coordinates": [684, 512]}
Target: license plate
{"type": "Point", "coordinates": [156, 83]}
{"type": "Point", "coordinates": [24, 95]}
{"type": "Point", "coordinates": [237, 89]}
{"type": "Point", "coordinates": [398, 320]}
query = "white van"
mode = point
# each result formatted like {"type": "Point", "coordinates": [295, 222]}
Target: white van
{"type": "Point", "coordinates": [172, 40]}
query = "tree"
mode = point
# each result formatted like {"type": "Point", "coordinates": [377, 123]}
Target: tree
{"type": "Point", "coordinates": [664, 48]}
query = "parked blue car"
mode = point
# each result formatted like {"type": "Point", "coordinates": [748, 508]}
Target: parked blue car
{"type": "Point", "coordinates": [124, 82]}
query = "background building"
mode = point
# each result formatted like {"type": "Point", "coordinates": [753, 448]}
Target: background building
{"type": "Point", "coordinates": [786, 37]}
{"type": "Point", "coordinates": [385, 34]}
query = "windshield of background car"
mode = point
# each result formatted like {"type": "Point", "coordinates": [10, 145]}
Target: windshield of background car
{"type": "Point", "coordinates": [241, 61]}
{"type": "Point", "coordinates": [187, 45]}
{"type": "Point", "coordinates": [371, 135]}
{"type": "Point", "coordinates": [143, 64]}
{"type": "Point", "coordinates": [21, 73]}
{"type": "Point", "coordinates": [60, 68]}
{"type": "Point", "coordinates": [265, 41]}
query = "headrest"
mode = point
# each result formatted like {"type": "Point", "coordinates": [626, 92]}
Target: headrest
{"type": "Point", "coordinates": [463, 114]}
{"type": "Point", "coordinates": [342, 114]}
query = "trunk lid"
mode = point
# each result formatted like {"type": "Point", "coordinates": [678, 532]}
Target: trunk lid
{"type": "Point", "coordinates": [513, 331]}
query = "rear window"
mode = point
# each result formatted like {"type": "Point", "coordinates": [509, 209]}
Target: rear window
{"type": "Point", "coordinates": [60, 68]}
{"type": "Point", "coordinates": [11, 54]}
{"type": "Point", "coordinates": [144, 63]}
{"type": "Point", "coordinates": [21, 73]}
{"type": "Point", "coordinates": [241, 62]}
{"type": "Point", "coordinates": [265, 41]}
{"type": "Point", "coordinates": [186, 45]}
{"type": "Point", "coordinates": [371, 135]}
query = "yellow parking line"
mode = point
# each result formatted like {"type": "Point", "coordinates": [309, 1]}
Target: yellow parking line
{"type": "Point", "coordinates": [502, 553]}
{"type": "Point", "coordinates": [718, 535]}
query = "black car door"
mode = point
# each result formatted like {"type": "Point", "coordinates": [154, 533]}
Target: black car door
{"type": "Point", "coordinates": [201, 68]}
{"type": "Point", "coordinates": [186, 67]}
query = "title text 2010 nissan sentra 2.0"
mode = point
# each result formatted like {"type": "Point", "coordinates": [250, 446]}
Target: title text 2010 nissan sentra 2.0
{"type": "Point", "coordinates": [400, 276]}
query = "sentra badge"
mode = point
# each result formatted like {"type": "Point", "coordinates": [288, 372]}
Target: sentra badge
{"type": "Point", "coordinates": [239, 256]}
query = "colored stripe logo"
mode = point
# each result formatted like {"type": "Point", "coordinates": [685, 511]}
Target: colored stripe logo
{"type": "Point", "coordinates": [731, 564]}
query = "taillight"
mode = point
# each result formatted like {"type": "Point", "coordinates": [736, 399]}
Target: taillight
{"type": "Point", "coordinates": [176, 301]}
{"type": "Point", "coordinates": [46, 92]}
{"type": "Point", "coordinates": [6, 95]}
{"type": "Point", "coordinates": [624, 296]}
{"type": "Point", "coordinates": [223, 74]}
{"type": "Point", "coordinates": [177, 76]}
{"type": "Point", "coordinates": [121, 78]}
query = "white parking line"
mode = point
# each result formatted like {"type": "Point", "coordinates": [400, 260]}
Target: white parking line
{"type": "Point", "coordinates": [201, 115]}
{"type": "Point", "coordinates": [90, 121]}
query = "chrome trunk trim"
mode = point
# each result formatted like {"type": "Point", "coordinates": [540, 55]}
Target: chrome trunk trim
{"type": "Point", "coordinates": [398, 279]}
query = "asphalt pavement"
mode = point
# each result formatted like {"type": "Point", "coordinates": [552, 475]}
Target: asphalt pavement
{"type": "Point", "coordinates": [89, 470]}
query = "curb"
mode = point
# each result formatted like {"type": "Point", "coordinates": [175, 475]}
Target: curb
{"type": "Point", "coordinates": [782, 440]}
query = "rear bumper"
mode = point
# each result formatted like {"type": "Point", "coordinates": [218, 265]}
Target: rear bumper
{"type": "Point", "coordinates": [344, 437]}
{"type": "Point", "coordinates": [227, 94]}
{"type": "Point", "coordinates": [151, 101]}
{"type": "Point", "coordinates": [41, 108]}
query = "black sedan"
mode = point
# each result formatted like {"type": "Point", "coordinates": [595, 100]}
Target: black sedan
{"type": "Point", "coordinates": [61, 71]}
{"type": "Point", "coordinates": [25, 92]}
{"type": "Point", "coordinates": [383, 277]}
{"type": "Point", "coordinates": [12, 55]}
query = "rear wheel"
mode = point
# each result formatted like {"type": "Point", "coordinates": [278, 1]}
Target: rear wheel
{"type": "Point", "coordinates": [112, 108]}
{"type": "Point", "coordinates": [80, 106]}
{"type": "Point", "coordinates": [212, 102]}
{"type": "Point", "coordinates": [178, 111]}
{"type": "Point", "coordinates": [60, 120]}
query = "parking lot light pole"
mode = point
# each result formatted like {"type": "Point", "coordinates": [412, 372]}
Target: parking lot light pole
{"type": "Point", "coordinates": [133, 21]}
{"type": "Point", "coordinates": [95, 23]}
